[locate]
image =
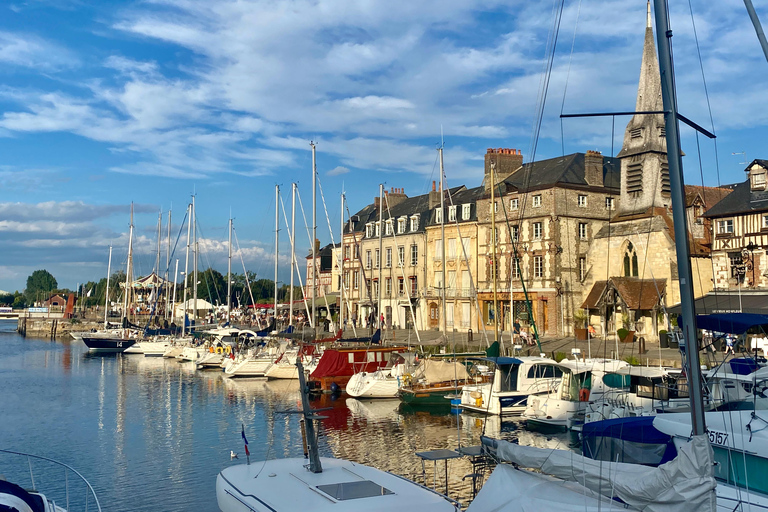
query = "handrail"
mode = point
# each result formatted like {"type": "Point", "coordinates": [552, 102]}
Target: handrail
{"type": "Point", "coordinates": [28, 455]}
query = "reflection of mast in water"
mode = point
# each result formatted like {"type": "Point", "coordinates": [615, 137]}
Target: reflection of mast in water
{"type": "Point", "coordinates": [120, 401]}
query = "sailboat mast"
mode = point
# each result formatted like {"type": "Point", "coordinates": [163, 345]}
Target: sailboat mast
{"type": "Point", "coordinates": [173, 301]}
{"type": "Point", "coordinates": [314, 237]}
{"type": "Point", "coordinates": [494, 271]}
{"type": "Point", "coordinates": [277, 237]}
{"type": "Point", "coordinates": [293, 250]}
{"type": "Point", "coordinates": [341, 266]}
{"type": "Point", "coordinates": [194, 262]}
{"type": "Point", "coordinates": [444, 323]}
{"type": "Point", "coordinates": [378, 262]}
{"type": "Point", "coordinates": [186, 270]}
{"type": "Point", "coordinates": [168, 313]}
{"type": "Point", "coordinates": [229, 273]}
{"type": "Point", "coordinates": [128, 268]}
{"type": "Point", "coordinates": [677, 185]}
{"type": "Point", "coordinates": [106, 291]}
{"type": "Point", "coordinates": [159, 242]}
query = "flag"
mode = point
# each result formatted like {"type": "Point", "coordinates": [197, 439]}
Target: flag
{"type": "Point", "coordinates": [245, 440]}
{"type": "Point", "coordinates": [89, 293]}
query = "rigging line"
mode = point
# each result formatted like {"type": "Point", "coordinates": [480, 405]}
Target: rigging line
{"type": "Point", "coordinates": [366, 282]}
{"type": "Point", "coordinates": [207, 257]}
{"type": "Point", "coordinates": [401, 264]}
{"type": "Point", "coordinates": [306, 224]}
{"type": "Point", "coordinates": [466, 260]}
{"type": "Point", "coordinates": [295, 264]}
{"type": "Point", "coordinates": [245, 271]}
{"type": "Point", "coordinates": [570, 59]}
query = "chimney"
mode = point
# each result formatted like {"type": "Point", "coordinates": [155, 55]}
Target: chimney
{"type": "Point", "coordinates": [434, 197]}
{"type": "Point", "coordinates": [317, 247]}
{"type": "Point", "coordinates": [506, 160]}
{"type": "Point", "coordinates": [396, 196]}
{"type": "Point", "coordinates": [593, 168]}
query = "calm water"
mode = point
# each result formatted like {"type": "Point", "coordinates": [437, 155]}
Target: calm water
{"type": "Point", "coordinates": [151, 434]}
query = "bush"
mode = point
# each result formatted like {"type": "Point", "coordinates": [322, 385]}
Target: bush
{"type": "Point", "coordinates": [622, 333]}
{"type": "Point", "coordinates": [632, 360]}
{"type": "Point", "coordinates": [662, 332]}
{"type": "Point", "coordinates": [559, 356]}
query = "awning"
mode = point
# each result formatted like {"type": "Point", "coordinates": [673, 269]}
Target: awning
{"type": "Point", "coordinates": [637, 294]}
{"type": "Point", "coordinates": [728, 302]}
{"type": "Point", "coordinates": [732, 323]}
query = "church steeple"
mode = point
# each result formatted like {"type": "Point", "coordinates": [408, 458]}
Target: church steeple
{"type": "Point", "coordinates": [645, 175]}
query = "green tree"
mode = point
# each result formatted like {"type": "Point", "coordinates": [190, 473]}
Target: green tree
{"type": "Point", "coordinates": [212, 286]}
{"type": "Point", "coordinates": [6, 299]}
{"type": "Point", "coordinates": [39, 283]}
{"type": "Point", "coordinates": [19, 301]}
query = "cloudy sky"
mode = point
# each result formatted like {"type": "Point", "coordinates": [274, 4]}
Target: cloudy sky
{"type": "Point", "coordinates": [104, 103]}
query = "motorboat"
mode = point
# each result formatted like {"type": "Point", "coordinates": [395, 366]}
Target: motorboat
{"type": "Point", "coordinates": [434, 383]}
{"type": "Point", "coordinates": [504, 388]}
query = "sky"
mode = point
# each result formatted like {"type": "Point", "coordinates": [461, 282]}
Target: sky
{"type": "Point", "coordinates": [108, 103]}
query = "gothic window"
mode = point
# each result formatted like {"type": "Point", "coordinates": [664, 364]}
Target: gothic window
{"type": "Point", "coordinates": [630, 261]}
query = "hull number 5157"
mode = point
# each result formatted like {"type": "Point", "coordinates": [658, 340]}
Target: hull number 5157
{"type": "Point", "coordinates": [716, 437]}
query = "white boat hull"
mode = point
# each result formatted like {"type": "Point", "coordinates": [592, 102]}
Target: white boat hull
{"type": "Point", "coordinates": [372, 385]}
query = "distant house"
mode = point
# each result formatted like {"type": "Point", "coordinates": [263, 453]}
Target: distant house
{"type": "Point", "coordinates": [55, 300]}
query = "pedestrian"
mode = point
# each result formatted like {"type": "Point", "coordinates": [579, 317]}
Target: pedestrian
{"type": "Point", "coordinates": [729, 345]}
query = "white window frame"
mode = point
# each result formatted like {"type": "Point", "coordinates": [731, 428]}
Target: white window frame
{"type": "Point", "coordinates": [452, 213]}
{"type": "Point", "coordinates": [401, 222]}
{"type": "Point", "coordinates": [725, 227]}
{"type": "Point", "coordinates": [438, 215]}
{"type": "Point", "coordinates": [537, 226]}
{"type": "Point", "coordinates": [515, 232]}
{"type": "Point", "coordinates": [582, 230]}
{"type": "Point", "coordinates": [377, 258]}
{"type": "Point", "coordinates": [765, 221]}
{"type": "Point", "coordinates": [388, 257]}
{"type": "Point", "coordinates": [414, 222]}
{"type": "Point", "coordinates": [582, 201]}
{"type": "Point", "coordinates": [401, 255]}
{"type": "Point", "coordinates": [466, 211]}
{"type": "Point", "coordinates": [368, 230]}
{"type": "Point", "coordinates": [514, 204]}
{"type": "Point", "coordinates": [388, 227]}
{"type": "Point", "coordinates": [414, 254]}
{"type": "Point", "coordinates": [609, 203]}
{"type": "Point", "coordinates": [536, 201]}
{"type": "Point", "coordinates": [368, 259]}
{"type": "Point", "coordinates": [538, 267]}
{"type": "Point", "coordinates": [582, 268]}
{"type": "Point", "coordinates": [452, 248]}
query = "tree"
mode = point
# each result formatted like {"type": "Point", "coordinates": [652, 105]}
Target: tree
{"type": "Point", "coordinates": [40, 282]}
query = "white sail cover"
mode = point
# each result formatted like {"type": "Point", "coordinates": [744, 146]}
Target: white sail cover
{"type": "Point", "coordinates": [440, 371]}
{"type": "Point", "coordinates": [515, 490]}
{"type": "Point", "coordinates": [684, 484]}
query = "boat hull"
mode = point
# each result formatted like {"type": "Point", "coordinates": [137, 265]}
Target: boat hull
{"type": "Point", "coordinates": [430, 397]}
{"type": "Point", "coordinates": [96, 344]}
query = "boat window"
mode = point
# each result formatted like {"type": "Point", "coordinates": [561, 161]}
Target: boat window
{"type": "Point", "coordinates": [616, 380]}
{"type": "Point", "coordinates": [646, 387]}
{"type": "Point", "coordinates": [354, 490]}
{"type": "Point", "coordinates": [739, 469]}
{"type": "Point", "coordinates": [371, 357]}
{"type": "Point", "coordinates": [544, 371]}
{"type": "Point", "coordinates": [508, 376]}
{"type": "Point", "coordinates": [679, 389]}
{"type": "Point", "coordinates": [573, 384]}
{"type": "Point", "coordinates": [351, 357]}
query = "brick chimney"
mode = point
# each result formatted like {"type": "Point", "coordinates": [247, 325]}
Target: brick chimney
{"type": "Point", "coordinates": [506, 161]}
{"type": "Point", "coordinates": [593, 168]}
{"type": "Point", "coordinates": [434, 197]}
{"type": "Point", "coordinates": [395, 196]}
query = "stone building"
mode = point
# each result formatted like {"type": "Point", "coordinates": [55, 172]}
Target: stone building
{"type": "Point", "coordinates": [459, 220]}
{"type": "Point", "coordinates": [547, 213]}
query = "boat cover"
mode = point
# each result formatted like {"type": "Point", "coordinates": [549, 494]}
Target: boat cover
{"type": "Point", "coordinates": [686, 483]}
{"type": "Point", "coordinates": [515, 490]}
{"type": "Point", "coordinates": [434, 371]}
{"type": "Point", "coordinates": [732, 323]}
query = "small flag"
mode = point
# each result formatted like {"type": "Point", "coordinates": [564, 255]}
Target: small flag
{"type": "Point", "coordinates": [89, 293]}
{"type": "Point", "coordinates": [245, 440]}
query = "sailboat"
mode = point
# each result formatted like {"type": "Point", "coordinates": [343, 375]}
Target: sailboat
{"type": "Point", "coordinates": [686, 483]}
{"type": "Point", "coordinates": [122, 340]}
{"type": "Point", "coordinates": [320, 483]}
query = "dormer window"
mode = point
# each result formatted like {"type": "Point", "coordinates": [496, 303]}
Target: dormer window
{"type": "Point", "coordinates": [414, 222]}
{"type": "Point", "coordinates": [378, 228]}
{"type": "Point", "coordinates": [401, 225]}
{"type": "Point", "coordinates": [388, 227]}
{"type": "Point", "coordinates": [438, 215]}
{"type": "Point", "coordinates": [368, 230]}
{"type": "Point", "coordinates": [451, 213]}
{"type": "Point", "coordinates": [466, 211]}
{"type": "Point", "coordinates": [757, 177]}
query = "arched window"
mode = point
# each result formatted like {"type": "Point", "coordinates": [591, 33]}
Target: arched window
{"type": "Point", "coordinates": [630, 261]}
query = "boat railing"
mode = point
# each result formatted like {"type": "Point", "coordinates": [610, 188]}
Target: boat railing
{"type": "Point", "coordinates": [90, 496]}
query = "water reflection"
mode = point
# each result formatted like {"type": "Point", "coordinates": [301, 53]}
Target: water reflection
{"type": "Point", "coordinates": [152, 433]}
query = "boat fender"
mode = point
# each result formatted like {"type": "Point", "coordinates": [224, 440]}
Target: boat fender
{"type": "Point", "coordinates": [212, 350]}
{"type": "Point", "coordinates": [219, 350]}
{"type": "Point", "coordinates": [229, 349]}
{"type": "Point", "coordinates": [407, 379]}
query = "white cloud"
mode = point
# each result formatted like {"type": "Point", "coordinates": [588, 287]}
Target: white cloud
{"type": "Point", "coordinates": [338, 170]}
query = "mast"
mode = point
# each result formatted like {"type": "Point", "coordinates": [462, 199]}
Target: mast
{"type": "Point", "coordinates": [314, 454]}
{"type": "Point", "coordinates": [186, 270]}
{"type": "Point", "coordinates": [442, 235]}
{"type": "Point", "coordinates": [677, 184]}
{"type": "Point", "coordinates": [194, 262]}
{"type": "Point", "coordinates": [277, 234]}
{"type": "Point", "coordinates": [758, 27]}
{"type": "Point", "coordinates": [229, 273]}
{"type": "Point", "coordinates": [159, 238]}
{"type": "Point", "coordinates": [312, 322]}
{"type": "Point", "coordinates": [106, 291]}
{"type": "Point", "coordinates": [128, 268]}
{"type": "Point", "coordinates": [168, 312]}
{"type": "Point", "coordinates": [381, 233]}
{"type": "Point", "coordinates": [293, 249]}
{"type": "Point", "coordinates": [341, 266]}
{"type": "Point", "coordinates": [173, 302]}
{"type": "Point", "coordinates": [493, 256]}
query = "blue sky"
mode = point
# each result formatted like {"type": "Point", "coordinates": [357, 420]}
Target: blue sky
{"type": "Point", "coordinates": [104, 103]}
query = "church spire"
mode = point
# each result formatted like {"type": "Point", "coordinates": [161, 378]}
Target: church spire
{"type": "Point", "coordinates": [645, 179]}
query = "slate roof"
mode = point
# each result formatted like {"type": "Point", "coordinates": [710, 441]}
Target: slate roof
{"type": "Point", "coordinates": [637, 294]}
{"type": "Point", "coordinates": [465, 196]}
{"type": "Point", "coordinates": [741, 200]}
{"type": "Point", "coordinates": [563, 170]}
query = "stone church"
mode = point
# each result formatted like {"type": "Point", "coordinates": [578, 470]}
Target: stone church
{"type": "Point", "coordinates": [632, 276]}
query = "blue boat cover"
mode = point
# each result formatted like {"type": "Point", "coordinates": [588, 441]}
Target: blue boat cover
{"type": "Point", "coordinates": [732, 323]}
{"type": "Point", "coordinates": [632, 439]}
{"type": "Point", "coordinates": [498, 360]}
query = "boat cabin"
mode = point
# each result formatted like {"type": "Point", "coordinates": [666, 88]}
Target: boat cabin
{"type": "Point", "coordinates": [336, 366]}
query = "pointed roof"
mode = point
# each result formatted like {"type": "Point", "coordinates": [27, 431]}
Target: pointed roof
{"type": "Point", "coordinates": [648, 99]}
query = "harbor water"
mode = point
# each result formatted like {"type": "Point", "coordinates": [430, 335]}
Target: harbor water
{"type": "Point", "coordinates": [151, 434]}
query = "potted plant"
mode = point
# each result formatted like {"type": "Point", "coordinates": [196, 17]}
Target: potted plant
{"type": "Point", "coordinates": [663, 338]}
{"type": "Point", "coordinates": [579, 324]}
{"type": "Point", "coordinates": [625, 335]}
